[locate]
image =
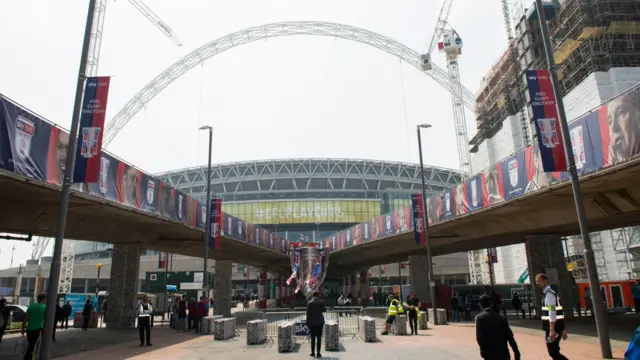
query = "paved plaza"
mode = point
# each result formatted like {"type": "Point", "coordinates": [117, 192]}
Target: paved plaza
{"type": "Point", "coordinates": [455, 341]}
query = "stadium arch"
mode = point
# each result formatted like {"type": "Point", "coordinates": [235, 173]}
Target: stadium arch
{"type": "Point", "coordinates": [252, 34]}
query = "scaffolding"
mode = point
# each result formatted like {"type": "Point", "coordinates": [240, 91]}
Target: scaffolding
{"type": "Point", "coordinates": [66, 268]}
{"type": "Point", "coordinates": [575, 257]}
{"type": "Point", "coordinates": [624, 241]}
{"type": "Point", "coordinates": [478, 267]}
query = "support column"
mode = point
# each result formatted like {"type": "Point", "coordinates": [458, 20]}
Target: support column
{"type": "Point", "coordinates": [419, 268]}
{"type": "Point", "coordinates": [364, 287]}
{"type": "Point", "coordinates": [545, 255]}
{"type": "Point", "coordinates": [123, 283]}
{"type": "Point", "coordinates": [222, 285]}
{"type": "Point", "coordinates": [262, 291]}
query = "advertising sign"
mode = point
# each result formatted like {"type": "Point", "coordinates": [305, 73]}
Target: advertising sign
{"type": "Point", "coordinates": [304, 212]}
{"type": "Point", "coordinates": [420, 234]}
{"type": "Point", "coordinates": [216, 212]}
{"type": "Point", "coordinates": [78, 301]}
{"type": "Point", "coordinates": [91, 129]}
{"type": "Point", "coordinates": [545, 117]}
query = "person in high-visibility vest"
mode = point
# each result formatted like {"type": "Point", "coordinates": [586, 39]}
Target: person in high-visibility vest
{"type": "Point", "coordinates": [552, 318]}
{"type": "Point", "coordinates": [395, 309]}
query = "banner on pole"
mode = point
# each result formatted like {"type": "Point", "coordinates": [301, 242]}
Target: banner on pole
{"type": "Point", "coordinates": [89, 147]}
{"type": "Point", "coordinates": [545, 117]}
{"type": "Point", "coordinates": [418, 216]}
{"type": "Point", "coordinates": [216, 214]}
{"type": "Point", "coordinates": [162, 260]}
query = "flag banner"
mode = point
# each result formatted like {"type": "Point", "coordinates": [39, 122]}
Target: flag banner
{"type": "Point", "coordinates": [545, 117]}
{"type": "Point", "coordinates": [586, 142]}
{"type": "Point", "coordinates": [216, 212]}
{"type": "Point", "coordinates": [417, 204]}
{"type": "Point", "coordinates": [149, 190]}
{"type": "Point", "coordinates": [620, 128]}
{"type": "Point", "coordinates": [475, 192]}
{"type": "Point", "coordinates": [462, 201]}
{"type": "Point", "coordinates": [514, 172]}
{"type": "Point", "coordinates": [106, 185]}
{"type": "Point", "coordinates": [91, 129]}
{"type": "Point", "coordinates": [389, 226]}
{"type": "Point", "coordinates": [128, 185]}
{"type": "Point", "coordinates": [448, 204]}
{"type": "Point", "coordinates": [162, 260]}
{"type": "Point", "coordinates": [180, 204]}
{"type": "Point", "coordinates": [493, 190]}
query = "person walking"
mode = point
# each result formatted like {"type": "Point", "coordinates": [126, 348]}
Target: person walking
{"type": "Point", "coordinates": [58, 318]}
{"type": "Point", "coordinates": [552, 316]}
{"type": "Point", "coordinates": [86, 314]}
{"type": "Point", "coordinates": [315, 322]}
{"type": "Point", "coordinates": [493, 333]}
{"type": "Point", "coordinates": [66, 312]}
{"type": "Point", "coordinates": [413, 306]}
{"type": "Point", "coordinates": [193, 309]}
{"type": "Point", "coordinates": [395, 309]}
{"type": "Point", "coordinates": [461, 306]}
{"type": "Point", "coordinates": [182, 314]}
{"type": "Point", "coordinates": [144, 321]}
{"type": "Point", "coordinates": [32, 324]}
{"type": "Point", "coordinates": [455, 310]}
{"type": "Point", "coordinates": [517, 305]}
{"type": "Point", "coordinates": [4, 317]}
{"type": "Point", "coordinates": [635, 292]}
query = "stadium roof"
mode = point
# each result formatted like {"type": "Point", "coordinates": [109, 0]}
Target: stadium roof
{"type": "Point", "coordinates": [310, 175]}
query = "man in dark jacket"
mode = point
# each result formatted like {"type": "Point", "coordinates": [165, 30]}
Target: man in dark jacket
{"type": "Point", "coordinates": [315, 322]}
{"type": "Point", "coordinates": [493, 333]}
{"type": "Point", "coordinates": [66, 312]}
{"type": "Point", "coordinates": [4, 317]}
{"type": "Point", "coordinates": [58, 318]}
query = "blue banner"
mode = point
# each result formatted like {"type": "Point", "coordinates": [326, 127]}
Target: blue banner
{"type": "Point", "coordinates": [514, 175]}
{"type": "Point", "coordinates": [78, 301]}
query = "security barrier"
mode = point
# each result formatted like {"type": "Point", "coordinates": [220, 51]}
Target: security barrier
{"type": "Point", "coordinates": [347, 321]}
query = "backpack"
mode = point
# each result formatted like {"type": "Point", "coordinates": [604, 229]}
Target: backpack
{"type": "Point", "coordinates": [633, 351]}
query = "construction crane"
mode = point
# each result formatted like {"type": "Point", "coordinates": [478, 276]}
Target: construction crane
{"type": "Point", "coordinates": [95, 45]}
{"type": "Point", "coordinates": [450, 43]}
{"type": "Point", "coordinates": [39, 246]}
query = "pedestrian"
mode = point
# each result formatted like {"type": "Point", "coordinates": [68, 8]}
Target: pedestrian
{"type": "Point", "coordinates": [635, 292]}
{"type": "Point", "coordinates": [32, 324]}
{"type": "Point", "coordinates": [58, 318]}
{"type": "Point", "coordinates": [588, 302]}
{"type": "Point", "coordinates": [341, 301]}
{"type": "Point", "coordinates": [315, 322]}
{"type": "Point", "coordinates": [395, 309]}
{"type": "Point", "coordinates": [105, 307]}
{"type": "Point", "coordinates": [86, 314]}
{"type": "Point", "coordinates": [193, 310]}
{"type": "Point", "coordinates": [413, 309]}
{"type": "Point", "coordinates": [4, 317]}
{"type": "Point", "coordinates": [552, 316]}
{"type": "Point", "coordinates": [461, 306]}
{"type": "Point", "coordinates": [455, 311]}
{"type": "Point", "coordinates": [467, 307]}
{"type": "Point", "coordinates": [497, 303]}
{"type": "Point", "coordinates": [493, 333]}
{"type": "Point", "coordinates": [66, 312]}
{"type": "Point", "coordinates": [182, 314]}
{"type": "Point", "coordinates": [517, 305]}
{"type": "Point", "coordinates": [144, 321]}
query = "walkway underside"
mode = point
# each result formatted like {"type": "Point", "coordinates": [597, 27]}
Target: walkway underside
{"type": "Point", "coordinates": [29, 206]}
{"type": "Point", "coordinates": [612, 200]}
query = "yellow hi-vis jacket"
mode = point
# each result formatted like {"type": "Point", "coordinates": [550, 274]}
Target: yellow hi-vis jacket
{"type": "Point", "coordinates": [395, 308]}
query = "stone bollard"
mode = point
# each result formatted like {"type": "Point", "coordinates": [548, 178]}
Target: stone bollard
{"type": "Point", "coordinates": [256, 332]}
{"type": "Point", "coordinates": [424, 321]}
{"type": "Point", "coordinates": [367, 329]}
{"type": "Point", "coordinates": [286, 337]}
{"type": "Point", "coordinates": [331, 336]}
{"type": "Point", "coordinates": [440, 317]}
{"type": "Point", "coordinates": [399, 326]}
{"type": "Point", "coordinates": [207, 325]}
{"type": "Point", "coordinates": [224, 329]}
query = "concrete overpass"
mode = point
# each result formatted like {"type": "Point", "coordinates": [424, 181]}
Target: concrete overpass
{"type": "Point", "coordinates": [612, 200]}
{"type": "Point", "coordinates": [31, 206]}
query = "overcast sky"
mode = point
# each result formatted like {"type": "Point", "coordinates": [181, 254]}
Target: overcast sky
{"type": "Point", "coordinates": [300, 96]}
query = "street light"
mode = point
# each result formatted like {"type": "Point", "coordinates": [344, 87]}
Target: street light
{"type": "Point", "coordinates": [432, 285]}
{"type": "Point", "coordinates": [207, 231]}
{"type": "Point", "coordinates": [592, 272]}
{"type": "Point", "coordinates": [98, 266]}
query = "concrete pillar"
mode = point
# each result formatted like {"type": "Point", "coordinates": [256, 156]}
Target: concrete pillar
{"type": "Point", "coordinates": [545, 255]}
{"type": "Point", "coordinates": [123, 285]}
{"type": "Point", "coordinates": [262, 291]}
{"type": "Point", "coordinates": [86, 285]}
{"type": "Point", "coordinates": [364, 287]}
{"type": "Point", "coordinates": [419, 267]}
{"type": "Point", "coordinates": [222, 285]}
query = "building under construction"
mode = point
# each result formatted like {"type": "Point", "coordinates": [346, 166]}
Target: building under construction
{"type": "Point", "coordinates": [589, 36]}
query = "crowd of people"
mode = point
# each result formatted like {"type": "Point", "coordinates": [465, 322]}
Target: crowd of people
{"type": "Point", "coordinates": [187, 315]}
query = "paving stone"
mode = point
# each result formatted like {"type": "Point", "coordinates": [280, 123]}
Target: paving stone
{"type": "Point", "coordinates": [256, 332]}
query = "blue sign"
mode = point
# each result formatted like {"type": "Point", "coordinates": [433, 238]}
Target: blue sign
{"type": "Point", "coordinates": [78, 301]}
{"type": "Point", "coordinates": [301, 328]}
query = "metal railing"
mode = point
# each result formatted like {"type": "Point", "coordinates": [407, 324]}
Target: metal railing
{"type": "Point", "coordinates": [347, 321]}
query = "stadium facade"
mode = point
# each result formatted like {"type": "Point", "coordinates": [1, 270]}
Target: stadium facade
{"type": "Point", "coordinates": [300, 199]}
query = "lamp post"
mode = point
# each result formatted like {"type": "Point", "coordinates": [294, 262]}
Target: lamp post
{"type": "Point", "coordinates": [207, 231]}
{"type": "Point", "coordinates": [98, 266]}
{"type": "Point", "coordinates": [54, 271]}
{"type": "Point", "coordinates": [600, 317]}
{"type": "Point", "coordinates": [432, 285]}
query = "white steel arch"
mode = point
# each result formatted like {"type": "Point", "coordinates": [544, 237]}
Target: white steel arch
{"type": "Point", "coordinates": [318, 28]}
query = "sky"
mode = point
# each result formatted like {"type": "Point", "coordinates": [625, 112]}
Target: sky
{"type": "Point", "coordinates": [288, 97]}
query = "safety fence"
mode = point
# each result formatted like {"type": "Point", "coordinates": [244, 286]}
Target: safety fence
{"type": "Point", "coordinates": [347, 321]}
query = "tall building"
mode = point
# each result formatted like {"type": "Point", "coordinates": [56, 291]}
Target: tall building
{"type": "Point", "coordinates": [597, 50]}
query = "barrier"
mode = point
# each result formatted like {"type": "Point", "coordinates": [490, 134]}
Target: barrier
{"type": "Point", "coordinates": [347, 323]}
{"type": "Point", "coordinates": [207, 325]}
{"type": "Point", "coordinates": [286, 337]}
{"type": "Point", "coordinates": [399, 326]}
{"type": "Point", "coordinates": [331, 336]}
{"type": "Point", "coordinates": [440, 317]}
{"type": "Point", "coordinates": [224, 328]}
{"type": "Point", "coordinates": [423, 322]}
{"type": "Point", "coordinates": [256, 332]}
{"type": "Point", "coordinates": [368, 329]}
